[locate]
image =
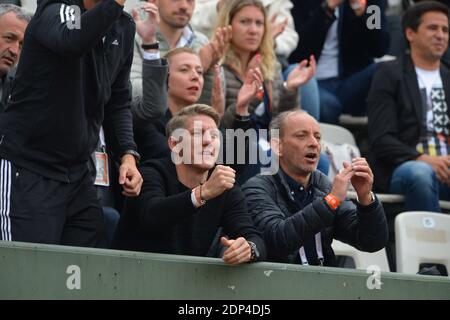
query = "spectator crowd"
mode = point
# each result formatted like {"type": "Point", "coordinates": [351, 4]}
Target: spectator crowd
{"type": "Point", "coordinates": [145, 125]}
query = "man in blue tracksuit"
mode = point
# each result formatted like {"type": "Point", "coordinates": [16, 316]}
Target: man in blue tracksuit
{"type": "Point", "coordinates": [73, 77]}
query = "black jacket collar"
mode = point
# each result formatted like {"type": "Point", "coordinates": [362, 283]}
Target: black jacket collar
{"type": "Point", "coordinates": [315, 182]}
{"type": "Point", "coordinates": [413, 86]}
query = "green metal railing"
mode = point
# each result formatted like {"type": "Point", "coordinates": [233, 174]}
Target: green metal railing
{"type": "Point", "coordinates": [35, 271]}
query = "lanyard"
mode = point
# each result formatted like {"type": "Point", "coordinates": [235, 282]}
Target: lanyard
{"type": "Point", "coordinates": [302, 253]}
{"type": "Point", "coordinates": [101, 138]}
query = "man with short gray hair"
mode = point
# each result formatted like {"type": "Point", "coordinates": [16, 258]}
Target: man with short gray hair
{"type": "Point", "coordinates": [13, 22]}
{"type": "Point", "coordinates": [299, 211]}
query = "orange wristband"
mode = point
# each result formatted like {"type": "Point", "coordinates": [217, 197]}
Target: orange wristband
{"type": "Point", "coordinates": [332, 201]}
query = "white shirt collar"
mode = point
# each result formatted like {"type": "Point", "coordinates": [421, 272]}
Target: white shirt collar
{"type": "Point", "coordinates": [185, 37]}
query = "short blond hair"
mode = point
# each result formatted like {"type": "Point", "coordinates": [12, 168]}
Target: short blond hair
{"type": "Point", "coordinates": [178, 121]}
{"type": "Point", "coordinates": [171, 53]}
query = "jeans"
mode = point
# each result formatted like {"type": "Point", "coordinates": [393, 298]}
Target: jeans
{"type": "Point", "coordinates": [345, 95]}
{"type": "Point", "coordinates": [309, 94]}
{"type": "Point", "coordinates": [418, 182]}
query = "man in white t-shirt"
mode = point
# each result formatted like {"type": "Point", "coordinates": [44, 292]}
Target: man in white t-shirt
{"type": "Point", "coordinates": [409, 113]}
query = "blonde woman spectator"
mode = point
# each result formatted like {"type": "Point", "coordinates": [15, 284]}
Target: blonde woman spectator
{"type": "Point", "coordinates": [250, 57]}
{"type": "Point", "coordinates": [279, 12]}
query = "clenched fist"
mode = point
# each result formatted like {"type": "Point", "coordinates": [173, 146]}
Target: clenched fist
{"type": "Point", "coordinates": [222, 178]}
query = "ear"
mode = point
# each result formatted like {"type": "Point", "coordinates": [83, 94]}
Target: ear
{"type": "Point", "coordinates": [172, 143]}
{"type": "Point", "coordinates": [276, 146]}
{"type": "Point", "coordinates": [409, 33]}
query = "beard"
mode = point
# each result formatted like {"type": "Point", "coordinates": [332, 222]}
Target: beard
{"type": "Point", "coordinates": [176, 22]}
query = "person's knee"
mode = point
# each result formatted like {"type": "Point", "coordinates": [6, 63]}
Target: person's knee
{"type": "Point", "coordinates": [418, 172]}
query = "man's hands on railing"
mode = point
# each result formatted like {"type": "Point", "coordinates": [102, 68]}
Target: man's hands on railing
{"type": "Point", "coordinates": [238, 251]}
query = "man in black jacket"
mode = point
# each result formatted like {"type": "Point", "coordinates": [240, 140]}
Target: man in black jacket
{"type": "Point", "coordinates": [409, 115]}
{"type": "Point", "coordinates": [345, 37]}
{"type": "Point", "coordinates": [181, 209]}
{"type": "Point", "coordinates": [73, 77]}
{"type": "Point", "coordinates": [299, 211]}
{"type": "Point", "coordinates": [13, 22]}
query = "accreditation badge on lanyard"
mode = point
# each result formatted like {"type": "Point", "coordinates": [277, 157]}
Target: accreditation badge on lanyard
{"type": "Point", "coordinates": [102, 169]}
{"type": "Point", "coordinates": [301, 251]}
{"type": "Point", "coordinates": [101, 163]}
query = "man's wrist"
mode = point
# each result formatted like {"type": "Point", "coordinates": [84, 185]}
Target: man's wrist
{"type": "Point", "coordinates": [196, 197]}
{"type": "Point", "coordinates": [242, 110]}
{"type": "Point", "coordinates": [150, 45]}
{"type": "Point", "coordinates": [129, 155]}
{"type": "Point", "coordinates": [204, 196]}
{"type": "Point", "coordinates": [151, 55]}
{"type": "Point", "coordinates": [366, 199]}
{"type": "Point", "coordinates": [332, 201]}
{"type": "Point", "coordinates": [121, 2]}
{"type": "Point", "coordinates": [422, 157]}
{"type": "Point", "coordinates": [254, 252]}
{"type": "Point", "coordinates": [241, 117]}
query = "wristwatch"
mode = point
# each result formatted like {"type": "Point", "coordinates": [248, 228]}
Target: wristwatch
{"type": "Point", "coordinates": [254, 253]}
{"type": "Point", "coordinates": [372, 195]}
{"type": "Point", "coordinates": [154, 46]}
{"type": "Point", "coordinates": [134, 153]}
{"type": "Point", "coordinates": [286, 87]}
{"type": "Point", "coordinates": [238, 117]}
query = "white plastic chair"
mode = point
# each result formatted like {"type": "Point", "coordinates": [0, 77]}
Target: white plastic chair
{"type": "Point", "coordinates": [336, 134]}
{"type": "Point", "coordinates": [349, 120]}
{"type": "Point", "coordinates": [339, 135]}
{"type": "Point", "coordinates": [362, 260]}
{"type": "Point", "coordinates": [422, 237]}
